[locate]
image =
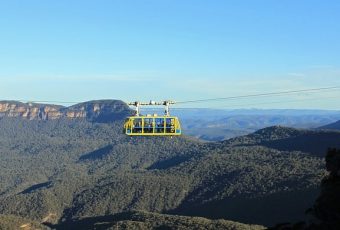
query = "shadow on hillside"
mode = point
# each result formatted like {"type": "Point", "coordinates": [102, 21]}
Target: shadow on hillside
{"type": "Point", "coordinates": [171, 162]}
{"type": "Point", "coordinates": [98, 222]}
{"type": "Point", "coordinates": [97, 154]}
{"type": "Point", "coordinates": [281, 207]}
{"type": "Point", "coordinates": [37, 187]}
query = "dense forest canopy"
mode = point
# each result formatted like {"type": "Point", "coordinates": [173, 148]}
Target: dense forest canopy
{"type": "Point", "coordinates": [64, 169]}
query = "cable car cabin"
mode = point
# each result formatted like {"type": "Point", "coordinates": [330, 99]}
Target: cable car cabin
{"type": "Point", "coordinates": [152, 126]}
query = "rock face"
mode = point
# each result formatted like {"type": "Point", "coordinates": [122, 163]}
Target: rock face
{"type": "Point", "coordinates": [29, 110]}
{"type": "Point", "coordinates": [97, 111]}
{"type": "Point", "coordinates": [327, 206]}
{"type": "Point", "coordinates": [325, 213]}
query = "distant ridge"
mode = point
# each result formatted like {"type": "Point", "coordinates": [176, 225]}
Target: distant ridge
{"type": "Point", "coordinates": [313, 142]}
{"type": "Point", "coordinates": [97, 111]}
{"type": "Point", "coordinates": [335, 125]}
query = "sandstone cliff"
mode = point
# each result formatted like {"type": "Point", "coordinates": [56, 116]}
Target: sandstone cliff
{"type": "Point", "coordinates": [98, 111]}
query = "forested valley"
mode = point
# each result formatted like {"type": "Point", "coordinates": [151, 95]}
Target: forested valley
{"type": "Point", "coordinates": [86, 174]}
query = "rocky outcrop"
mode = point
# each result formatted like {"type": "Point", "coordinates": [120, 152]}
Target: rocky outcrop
{"type": "Point", "coordinates": [97, 111]}
{"type": "Point", "coordinates": [29, 111]}
{"type": "Point", "coordinates": [327, 207]}
{"type": "Point", "coordinates": [325, 213]}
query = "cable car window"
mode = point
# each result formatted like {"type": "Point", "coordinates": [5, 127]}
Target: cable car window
{"type": "Point", "coordinates": [159, 125]}
{"type": "Point", "coordinates": [170, 125]}
{"type": "Point", "coordinates": [137, 125]}
{"type": "Point", "coordinates": [148, 125]}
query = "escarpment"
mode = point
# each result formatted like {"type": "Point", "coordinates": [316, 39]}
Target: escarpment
{"type": "Point", "coordinates": [98, 111]}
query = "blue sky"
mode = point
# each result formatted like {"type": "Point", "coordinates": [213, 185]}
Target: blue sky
{"type": "Point", "coordinates": [171, 49]}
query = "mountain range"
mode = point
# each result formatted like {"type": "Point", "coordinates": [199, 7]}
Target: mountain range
{"type": "Point", "coordinates": [205, 124]}
{"type": "Point", "coordinates": [220, 124]}
{"type": "Point", "coordinates": [82, 171]}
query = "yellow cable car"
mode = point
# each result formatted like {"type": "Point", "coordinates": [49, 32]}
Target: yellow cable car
{"type": "Point", "coordinates": [152, 125]}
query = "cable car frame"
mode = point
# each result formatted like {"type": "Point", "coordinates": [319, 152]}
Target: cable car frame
{"type": "Point", "coordinates": [152, 125]}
